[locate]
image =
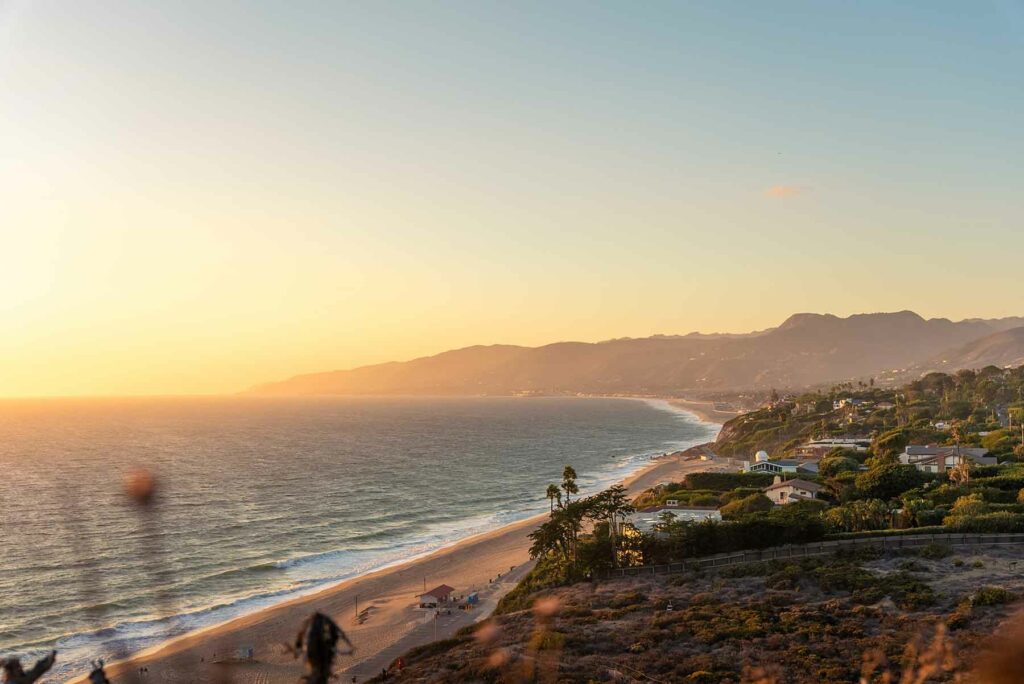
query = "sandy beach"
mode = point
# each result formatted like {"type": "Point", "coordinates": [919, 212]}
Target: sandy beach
{"type": "Point", "coordinates": [705, 410]}
{"type": "Point", "coordinates": [387, 600]}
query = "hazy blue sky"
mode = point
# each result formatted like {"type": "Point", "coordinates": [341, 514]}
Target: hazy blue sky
{"type": "Point", "coordinates": [197, 196]}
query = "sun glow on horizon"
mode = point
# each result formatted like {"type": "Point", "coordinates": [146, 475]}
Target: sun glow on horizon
{"type": "Point", "coordinates": [196, 200]}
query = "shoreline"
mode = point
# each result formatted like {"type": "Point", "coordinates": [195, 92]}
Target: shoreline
{"type": "Point", "coordinates": [704, 410]}
{"type": "Point", "coordinates": [386, 595]}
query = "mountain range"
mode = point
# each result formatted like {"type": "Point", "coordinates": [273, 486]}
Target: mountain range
{"type": "Point", "coordinates": [805, 350]}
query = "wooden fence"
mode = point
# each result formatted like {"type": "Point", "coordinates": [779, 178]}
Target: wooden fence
{"type": "Point", "coordinates": [821, 548]}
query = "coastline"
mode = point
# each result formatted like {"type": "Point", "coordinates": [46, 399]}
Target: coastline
{"type": "Point", "coordinates": [386, 595]}
{"type": "Point", "coordinates": [704, 410]}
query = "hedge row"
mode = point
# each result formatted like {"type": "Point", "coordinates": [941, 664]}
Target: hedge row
{"type": "Point", "coordinates": [723, 482]}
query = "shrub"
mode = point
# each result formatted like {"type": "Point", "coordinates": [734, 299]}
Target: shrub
{"type": "Point", "coordinates": [888, 533]}
{"type": "Point", "coordinates": [833, 465]}
{"type": "Point", "coordinates": [755, 503]}
{"type": "Point", "coordinates": [961, 616]}
{"type": "Point", "coordinates": [935, 551]}
{"type": "Point", "coordinates": [992, 596]}
{"type": "Point", "coordinates": [704, 500]}
{"type": "Point", "coordinates": [786, 578]}
{"type": "Point", "coordinates": [547, 640]}
{"type": "Point", "coordinates": [907, 591]}
{"type": "Point", "coordinates": [844, 577]}
{"type": "Point", "coordinates": [547, 573]}
{"type": "Point", "coordinates": [435, 648]}
{"type": "Point", "coordinates": [1013, 480]}
{"type": "Point", "coordinates": [792, 524]}
{"type": "Point", "coordinates": [628, 599]}
{"type": "Point", "coordinates": [931, 518]}
{"type": "Point", "coordinates": [972, 504]}
{"type": "Point", "coordinates": [887, 481]}
{"type": "Point", "coordinates": [989, 522]}
{"type": "Point", "coordinates": [858, 516]}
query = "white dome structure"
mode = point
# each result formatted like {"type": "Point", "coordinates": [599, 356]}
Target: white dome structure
{"type": "Point", "coordinates": [761, 456]}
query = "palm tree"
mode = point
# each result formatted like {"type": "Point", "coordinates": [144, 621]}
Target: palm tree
{"type": "Point", "coordinates": [569, 485]}
{"type": "Point", "coordinates": [554, 493]}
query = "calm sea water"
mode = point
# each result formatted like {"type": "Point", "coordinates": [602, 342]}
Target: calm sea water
{"type": "Point", "coordinates": [263, 498]}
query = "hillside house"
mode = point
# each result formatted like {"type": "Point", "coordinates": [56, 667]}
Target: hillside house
{"type": "Point", "coordinates": [783, 466]}
{"type": "Point", "coordinates": [784, 492]}
{"type": "Point", "coordinates": [935, 459]}
{"type": "Point", "coordinates": [817, 448]}
{"type": "Point", "coordinates": [644, 519]}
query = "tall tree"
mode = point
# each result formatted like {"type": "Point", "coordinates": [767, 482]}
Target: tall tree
{"type": "Point", "coordinates": [554, 494]}
{"type": "Point", "coordinates": [569, 485]}
{"type": "Point", "coordinates": [611, 505]}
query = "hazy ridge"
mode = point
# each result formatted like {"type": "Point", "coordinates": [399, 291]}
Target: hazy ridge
{"type": "Point", "coordinates": [806, 349]}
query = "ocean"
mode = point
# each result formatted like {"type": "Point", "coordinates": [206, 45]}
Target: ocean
{"type": "Point", "coordinates": [260, 499]}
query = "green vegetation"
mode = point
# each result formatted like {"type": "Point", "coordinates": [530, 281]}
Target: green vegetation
{"type": "Point", "coordinates": [935, 551]}
{"type": "Point", "coordinates": [864, 493]}
{"type": "Point", "coordinates": [992, 596]}
{"type": "Point", "coordinates": [836, 616]}
{"type": "Point", "coordinates": [893, 418]}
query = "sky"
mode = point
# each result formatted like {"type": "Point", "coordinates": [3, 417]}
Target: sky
{"type": "Point", "coordinates": [199, 196]}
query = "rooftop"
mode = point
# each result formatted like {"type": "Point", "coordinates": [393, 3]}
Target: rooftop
{"type": "Point", "coordinates": [797, 482]}
{"type": "Point", "coordinates": [440, 591]}
{"type": "Point", "coordinates": [656, 509]}
{"type": "Point", "coordinates": [935, 450]}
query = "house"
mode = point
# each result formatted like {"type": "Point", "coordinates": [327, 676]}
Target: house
{"type": "Point", "coordinates": [644, 519]}
{"type": "Point", "coordinates": [784, 492]}
{"type": "Point", "coordinates": [786, 465]}
{"type": "Point", "coordinates": [935, 459]}
{"type": "Point", "coordinates": [817, 448]}
{"type": "Point", "coordinates": [439, 594]}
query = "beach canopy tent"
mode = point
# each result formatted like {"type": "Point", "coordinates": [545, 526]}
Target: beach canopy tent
{"type": "Point", "coordinates": [473, 598]}
{"type": "Point", "coordinates": [439, 594]}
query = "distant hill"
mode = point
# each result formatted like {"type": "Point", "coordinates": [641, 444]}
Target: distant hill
{"type": "Point", "coordinates": [804, 350]}
{"type": "Point", "coordinates": [1004, 348]}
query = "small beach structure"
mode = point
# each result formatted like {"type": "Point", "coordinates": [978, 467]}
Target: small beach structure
{"type": "Point", "coordinates": [439, 594]}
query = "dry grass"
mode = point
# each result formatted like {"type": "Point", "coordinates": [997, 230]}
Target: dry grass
{"type": "Point", "coordinates": [839, 620]}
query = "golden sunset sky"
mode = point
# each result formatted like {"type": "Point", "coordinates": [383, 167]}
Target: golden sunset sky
{"type": "Point", "coordinates": [200, 196]}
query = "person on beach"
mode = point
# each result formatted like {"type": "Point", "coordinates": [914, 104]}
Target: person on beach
{"type": "Point", "coordinates": [14, 673]}
{"type": "Point", "coordinates": [98, 676]}
{"type": "Point", "coordinates": [321, 635]}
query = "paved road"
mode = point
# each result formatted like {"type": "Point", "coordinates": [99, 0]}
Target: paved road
{"type": "Point", "coordinates": [447, 626]}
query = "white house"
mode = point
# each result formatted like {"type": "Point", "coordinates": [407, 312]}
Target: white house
{"type": "Point", "coordinates": [790, 466]}
{"type": "Point", "coordinates": [644, 519]}
{"type": "Point", "coordinates": [934, 459]}
{"type": "Point", "coordinates": [819, 447]}
{"type": "Point", "coordinates": [784, 492]}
